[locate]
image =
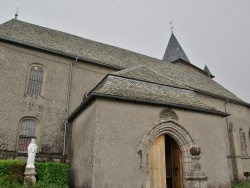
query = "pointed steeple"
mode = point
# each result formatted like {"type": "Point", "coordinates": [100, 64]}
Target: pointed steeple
{"type": "Point", "coordinates": [206, 69]}
{"type": "Point", "coordinates": [174, 51]}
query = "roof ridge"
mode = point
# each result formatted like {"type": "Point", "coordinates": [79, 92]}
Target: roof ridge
{"type": "Point", "coordinates": [43, 27]}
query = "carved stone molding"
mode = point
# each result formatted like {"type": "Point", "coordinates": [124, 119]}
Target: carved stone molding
{"type": "Point", "coordinates": [168, 114]}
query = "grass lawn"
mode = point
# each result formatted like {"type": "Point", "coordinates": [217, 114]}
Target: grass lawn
{"type": "Point", "coordinates": [241, 185]}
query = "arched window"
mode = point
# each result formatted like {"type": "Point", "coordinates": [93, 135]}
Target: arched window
{"type": "Point", "coordinates": [35, 80]}
{"type": "Point", "coordinates": [27, 131]}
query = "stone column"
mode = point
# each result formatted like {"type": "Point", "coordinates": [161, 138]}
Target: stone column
{"type": "Point", "coordinates": [30, 170]}
{"type": "Point", "coordinates": [196, 178]}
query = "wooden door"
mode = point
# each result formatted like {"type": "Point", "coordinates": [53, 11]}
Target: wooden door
{"type": "Point", "coordinates": [176, 166]}
{"type": "Point", "coordinates": [157, 163]}
{"type": "Point", "coordinates": [165, 152]}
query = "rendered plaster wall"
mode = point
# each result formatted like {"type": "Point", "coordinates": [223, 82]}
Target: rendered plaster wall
{"type": "Point", "coordinates": [85, 77]}
{"type": "Point", "coordinates": [82, 148]}
{"type": "Point", "coordinates": [49, 109]}
{"type": "Point", "coordinates": [240, 119]}
{"type": "Point", "coordinates": [207, 131]}
{"type": "Point", "coordinates": [120, 128]}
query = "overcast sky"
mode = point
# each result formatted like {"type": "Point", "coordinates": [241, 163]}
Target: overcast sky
{"type": "Point", "coordinates": [211, 32]}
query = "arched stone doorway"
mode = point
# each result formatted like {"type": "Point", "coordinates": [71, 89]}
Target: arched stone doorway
{"type": "Point", "coordinates": [165, 163]}
{"type": "Point", "coordinates": [168, 129]}
{"type": "Point", "coordinates": [178, 135]}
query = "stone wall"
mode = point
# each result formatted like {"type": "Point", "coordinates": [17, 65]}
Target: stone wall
{"type": "Point", "coordinates": [83, 143]}
{"type": "Point", "coordinates": [50, 109]}
{"type": "Point", "coordinates": [240, 120]}
{"type": "Point", "coordinates": [119, 131]}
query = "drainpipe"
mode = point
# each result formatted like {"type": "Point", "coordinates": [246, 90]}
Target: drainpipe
{"type": "Point", "coordinates": [68, 104]}
{"type": "Point", "coordinates": [231, 146]}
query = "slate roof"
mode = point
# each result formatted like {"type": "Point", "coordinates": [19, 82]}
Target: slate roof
{"type": "Point", "coordinates": [135, 89]}
{"type": "Point", "coordinates": [121, 88]}
{"type": "Point", "coordinates": [63, 43]}
{"type": "Point", "coordinates": [148, 74]}
{"type": "Point", "coordinates": [174, 51]}
{"type": "Point", "coordinates": [176, 75]}
{"type": "Point", "coordinates": [196, 80]}
{"type": "Point", "coordinates": [140, 67]}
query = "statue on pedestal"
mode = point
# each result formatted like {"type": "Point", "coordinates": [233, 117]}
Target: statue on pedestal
{"type": "Point", "coordinates": [32, 149]}
{"type": "Point", "coordinates": [30, 170]}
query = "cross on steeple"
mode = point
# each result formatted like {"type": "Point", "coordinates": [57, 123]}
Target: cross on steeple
{"type": "Point", "coordinates": [16, 14]}
{"type": "Point", "coordinates": [172, 28]}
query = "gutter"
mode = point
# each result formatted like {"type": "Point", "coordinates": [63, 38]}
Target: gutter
{"type": "Point", "coordinates": [68, 105]}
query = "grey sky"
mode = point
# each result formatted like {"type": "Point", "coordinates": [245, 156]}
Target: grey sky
{"type": "Point", "coordinates": [211, 32]}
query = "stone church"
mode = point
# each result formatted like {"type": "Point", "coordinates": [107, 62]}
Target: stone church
{"type": "Point", "coordinates": [119, 118]}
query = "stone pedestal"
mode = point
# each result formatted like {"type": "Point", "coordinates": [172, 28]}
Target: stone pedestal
{"type": "Point", "coordinates": [196, 184]}
{"type": "Point", "coordinates": [196, 178]}
{"type": "Point", "coordinates": [29, 177]}
{"type": "Point", "coordinates": [30, 170]}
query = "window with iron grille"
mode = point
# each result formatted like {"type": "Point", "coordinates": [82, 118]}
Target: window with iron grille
{"type": "Point", "coordinates": [35, 80]}
{"type": "Point", "coordinates": [27, 131]}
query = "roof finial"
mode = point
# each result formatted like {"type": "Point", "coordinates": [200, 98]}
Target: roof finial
{"type": "Point", "coordinates": [16, 14]}
{"type": "Point", "coordinates": [172, 28]}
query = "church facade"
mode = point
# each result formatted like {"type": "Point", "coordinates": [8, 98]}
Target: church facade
{"type": "Point", "coordinates": [119, 118]}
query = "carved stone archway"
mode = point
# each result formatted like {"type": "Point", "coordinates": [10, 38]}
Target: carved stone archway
{"type": "Point", "coordinates": [168, 126]}
{"type": "Point", "coordinates": [174, 130]}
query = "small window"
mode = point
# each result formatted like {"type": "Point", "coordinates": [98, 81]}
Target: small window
{"type": "Point", "coordinates": [26, 133]}
{"type": "Point", "coordinates": [35, 80]}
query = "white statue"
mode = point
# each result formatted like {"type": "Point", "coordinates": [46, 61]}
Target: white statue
{"type": "Point", "coordinates": [32, 149]}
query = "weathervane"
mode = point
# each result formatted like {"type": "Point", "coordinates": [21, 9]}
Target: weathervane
{"type": "Point", "coordinates": [172, 28]}
{"type": "Point", "coordinates": [16, 13]}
